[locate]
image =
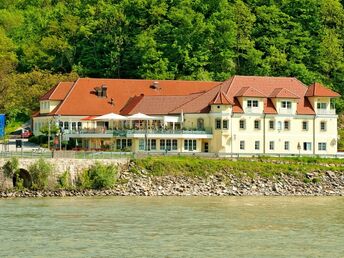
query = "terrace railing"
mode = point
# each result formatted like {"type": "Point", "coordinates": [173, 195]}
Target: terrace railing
{"type": "Point", "coordinates": [130, 132]}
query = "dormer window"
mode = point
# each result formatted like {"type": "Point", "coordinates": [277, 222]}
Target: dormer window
{"type": "Point", "coordinates": [252, 103]}
{"type": "Point", "coordinates": [286, 104]}
{"type": "Point", "coordinates": [321, 105]}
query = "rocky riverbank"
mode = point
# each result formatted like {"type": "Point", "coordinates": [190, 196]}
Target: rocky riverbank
{"type": "Point", "coordinates": [320, 183]}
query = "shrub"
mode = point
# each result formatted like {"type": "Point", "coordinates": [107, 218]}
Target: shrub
{"type": "Point", "coordinates": [64, 181]}
{"type": "Point", "coordinates": [40, 139]}
{"type": "Point", "coordinates": [98, 176]}
{"type": "Point", "coordinates": [40, 171]}
{"type": "Point", "coordinates": [11, 167]}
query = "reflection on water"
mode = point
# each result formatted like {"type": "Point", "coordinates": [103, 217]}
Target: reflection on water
{"type": "Point", "coordinates": [173, 227]}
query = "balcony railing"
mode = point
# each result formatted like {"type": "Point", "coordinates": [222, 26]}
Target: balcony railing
{"type": "Point", "coordinates": [131, 132]}
{"type": "Point", "coordinates": [285, 111]}
{"type": "Point", "coordinates": [326, 111]}
{"type": "Point", "coordinates": [253, 110]}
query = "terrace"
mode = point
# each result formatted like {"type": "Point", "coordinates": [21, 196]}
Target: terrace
{"type": "Point", "coordinates": [141, 126]}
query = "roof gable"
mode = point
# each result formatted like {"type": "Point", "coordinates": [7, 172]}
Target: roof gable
{"type": "Point", "coordinates": [283, 93]}
{"type": "Point", "coordinates": [319, 90]}
{"type": "Point", "coordinates": [221, 99]}
{"type": "Point", "coordinates": [59, 92]}
{"type": "Point", "coordinates": [249, 92]}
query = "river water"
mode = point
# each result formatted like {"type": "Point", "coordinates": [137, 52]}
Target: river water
{"type": "Point", "coordinates": [172, 227]}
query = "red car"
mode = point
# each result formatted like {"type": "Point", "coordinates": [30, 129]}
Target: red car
{"type": "Point", "coordinates": [26, 134]}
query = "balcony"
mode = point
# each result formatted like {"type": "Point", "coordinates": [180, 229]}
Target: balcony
{"type": "Point", "coordinates": [326, 111]}
{"type": "Point", "coordinates": [140, 133]}
{"type": "Point", "coordinates": [285, 111]}
{"type": "Point", "coordinates": [253, 110]}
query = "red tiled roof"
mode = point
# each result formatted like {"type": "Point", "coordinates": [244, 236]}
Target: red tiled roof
{"type": "Point", "coordinates": [319, 90]}
{"type": "Point", "coordinates": [59, 92]}
{"type": "Point", "coordinates": [269, 107]}
{"type": "Point", "coordinates": [221, 99]}
{"type": "Point", "coordinates": [267, 85]}
{"type": "Point", "coordinates": [283, 93]}
{"type": "Point", "coordinates": [200, 104]}
{"type": "Point", "coordinates": [156, 105]}
{"type": "Point", "coordinates": [249, 92]}
{"type": "Point", "coordinates": [304, 107]}
{"type": "Point", "coordinates": [171, 97]}
{"type": "Point", "coordinates": [81, 99]}
{"type": "Point", "coordinates": [237, 107]}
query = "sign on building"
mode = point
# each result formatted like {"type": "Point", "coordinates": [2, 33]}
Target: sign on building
{"type": "Point", "coordinates": [2, 125]}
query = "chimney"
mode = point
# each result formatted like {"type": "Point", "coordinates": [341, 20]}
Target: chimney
{"type": "Point", "coordinates": [155, 85]}
{"type": "Point", "coordinates": [103, 92]}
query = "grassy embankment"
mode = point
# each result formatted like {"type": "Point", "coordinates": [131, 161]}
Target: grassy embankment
{"type": "Point", "coordinates": [252, 167]}
{"type": "Point", "coordinates": [100, 176]}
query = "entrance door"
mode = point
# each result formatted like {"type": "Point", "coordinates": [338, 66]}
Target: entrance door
{"type": "Point", "coordinates": [206, 147]}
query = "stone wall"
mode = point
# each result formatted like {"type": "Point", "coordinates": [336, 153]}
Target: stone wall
{"type": "Point", "coordinates": [74, 166]}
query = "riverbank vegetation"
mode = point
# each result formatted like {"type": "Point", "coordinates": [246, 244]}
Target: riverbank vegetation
{"type": "Point", "coordinates": [101, 176]}
{"type": "Point", "coordinates": [264, 166]}
{"type": "Point", "coordinates": [43, 42]}
{"type": "Point", "coordinates": [177, 176]}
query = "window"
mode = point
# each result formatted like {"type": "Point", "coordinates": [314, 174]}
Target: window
{"type": "Point", "coordinates": [279, 125]}
{"type": "Point", "coordinates": [218, 124]}
{"type": "Point", "coordinates": [142, 144]}
{"type": "Point", "coordinates": [322, 146]}
{"type": "Point", "coordinates": [73, 126]}
{"type": "Point", "coordinates": [257, 124]}
{"type": "Point", "coordinates": [322, 126]}
{"type": "Point", "coordinates": [200, 123]}
{"type": "Point", "coordinates": [190, 145]}
{"type": "Point", "coordinates": [165, 145]}
{"type": "Point", "coordinates": [321, 105]}
{"type": "Point", "coordinates": [66, 125]}
{"type": "Point", "coordinates": [124, 143]}
{"type": "Point", "coordinates": [257, 145]}
{"type": "Point", "coordinates": [162, 144]}
{"type": "Point", "coordinates": [79, 125]}
{"type": "Point", "coordinates": [60, 124]}
{"type": "Point", "coordinates": [271, 145]}
{"type": "Point", "coordinates": [307, 146]}
{"type": "Point", "coordinates": [118, 144]}
{"type": "Point", "coordinates": [242, 145]}
{"type": "Point", "coordinates": [286, 145]}
{"type": "Point", "coordinates": [286, 104]}
{"type": "Point", "coordinates": [225, 124]}
{"type": "Point", "coordinates": [305, 125]}
{"type": "Point", "coordinates": [151, 144]}
{"type": "Point", "coordinates": [252, 103]}
{"type": "Point", "coordinates": [242, 124]}
{"type": "Point", "coordinates": [174, 145]}
{"type": "Point", "coordinates": [286, 125]}
{"type": "Point", "coordinates": [272, 124]}
{"type": "Point", "coordinates": [168, 145]}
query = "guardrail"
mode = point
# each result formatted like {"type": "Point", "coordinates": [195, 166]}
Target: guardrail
{"type": "Point", "coordinates": [117, 155]}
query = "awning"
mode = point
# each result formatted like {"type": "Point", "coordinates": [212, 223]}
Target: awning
{"type": "Point", "coordinates": [87, 118]}
{"type": "Point", "coordinates": [140, 116]}
{"type": "Point", "coordinates": [110, 117]}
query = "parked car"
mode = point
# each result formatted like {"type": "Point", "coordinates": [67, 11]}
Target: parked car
{"type": "Point", "coordinates": [26, 133]}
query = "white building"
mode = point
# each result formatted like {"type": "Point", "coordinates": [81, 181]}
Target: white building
{"type": "Point", "coordinates": [244, 115]}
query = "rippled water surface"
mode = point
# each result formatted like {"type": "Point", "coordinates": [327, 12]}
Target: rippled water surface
{"type": "Point", "coordinates": [172, 227]}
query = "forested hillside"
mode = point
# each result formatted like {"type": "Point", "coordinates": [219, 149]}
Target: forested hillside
{"type": "Point", "coordinates": [44, 41]}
